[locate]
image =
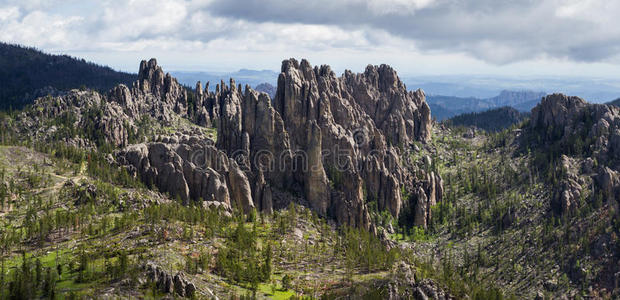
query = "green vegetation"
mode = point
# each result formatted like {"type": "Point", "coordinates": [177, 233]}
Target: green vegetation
{"type": "Point", "coordinates": [241, 260]}
{"type": "Point", "coordinates": [496, 223]}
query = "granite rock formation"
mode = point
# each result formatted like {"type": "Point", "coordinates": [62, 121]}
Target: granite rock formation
{"type": "Point", "coordinates": [332, 143]}
{"type": "Point", "coordinates": [568, 192]}
{"type": "Point", "coordinates": [588, 133]}
{"type": "Point", "coordinates": [108, 118]}
{"type": "Point", "coordinates": [404, 285]}
{"type": "Point", "coordinates": [336, 140]}
{"type": "Point", "coordinates": [189, 168]}
{"type": "Point", "coordinates": [83, 109]}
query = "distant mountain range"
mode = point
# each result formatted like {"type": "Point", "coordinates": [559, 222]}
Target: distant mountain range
{"type": "Point", "coordinates": [592, 89]}
{"type": "Point", "coordinates": [27, 73]}
{"type": "Point", "coordinates": [445, 107]}
{"type": "Point", "coordinates": [267, 88]}
{"type": "Point", "coordinates": [516, 110]}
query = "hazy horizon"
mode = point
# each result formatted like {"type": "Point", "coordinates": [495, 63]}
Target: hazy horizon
{"type": "Point", "coordinates": [594, 89]}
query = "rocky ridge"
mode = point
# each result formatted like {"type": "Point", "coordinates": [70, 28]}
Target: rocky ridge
{"type": "Point", "coordinates": [588, 137]}
{"type": "Point", "coordinates": [107, 118]}
{"type": "Point", "coordinates": [189, 168]}
{"type": "Point", "coordinates": [404, 285]}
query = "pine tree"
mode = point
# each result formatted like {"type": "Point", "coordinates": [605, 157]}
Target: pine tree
{"type": "Point", "coordinates": [2, 279]}
{"type": "Point", "coordinates": [84, 268]}
{"type": "Point", "coordinates": [49, 288]}
{"type": "Point", "coordinates": [286, 282]}
{"type": "Point", "coordinates": [59, 269]}
{"type": "Point", "coordinates": [123, 263]}
{"type": "Point", "coordinates": [38, 272]}
{"type": "Point", "coordinates": [267, 265]}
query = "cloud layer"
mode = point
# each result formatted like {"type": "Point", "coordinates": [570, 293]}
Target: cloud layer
{"type": "Point", "coordinates": [498, 31]}
{"type": "Point", "coordinates": [494, 31]}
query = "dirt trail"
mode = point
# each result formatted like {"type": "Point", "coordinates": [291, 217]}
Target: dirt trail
{"type": "Point", "coordinates": [58, 185]}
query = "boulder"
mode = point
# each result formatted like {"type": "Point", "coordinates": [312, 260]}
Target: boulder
{"type": "Point", "coordinates": [177, 284]}
{"type": "Point", "coordinates": [568, 192]}
{"type": "Point", "coordinates": [421, 208]}
{"type": "Point", "coordinates": [189, 168]}
{"type": "Point", "coordinates": [608, 181]}
{"type": "Point", "coordinates": [239, 185]}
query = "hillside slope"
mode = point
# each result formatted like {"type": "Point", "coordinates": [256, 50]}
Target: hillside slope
{"type": "Point", "coordinates": [533, 210]}
{"type": "Point", "coordinates": [26, 73]}
{"type": "Point", "coordinates": [615, 102]}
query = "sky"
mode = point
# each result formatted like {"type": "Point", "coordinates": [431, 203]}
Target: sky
{"type": "Point", "coordinates": [417, 37]}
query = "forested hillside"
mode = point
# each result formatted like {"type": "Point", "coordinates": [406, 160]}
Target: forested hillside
{"type": "Point", "coordinates": [491, 120]}
{"type": "Point", "coordinates": [27, 73]}
{"type": "Point", "coordinates": [615, 102]}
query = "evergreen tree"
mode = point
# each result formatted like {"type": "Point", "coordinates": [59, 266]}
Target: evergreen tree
{"type": "Point", "coordinates": [49, 288]}
{"type": "Point", "coordinates": [123, 264]}
{"type": "Point", "coordinates": [38, 272]}
{"type": "Point", "coordinates": [267, 264]}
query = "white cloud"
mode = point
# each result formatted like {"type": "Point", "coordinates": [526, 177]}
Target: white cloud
{"type": "Point", "coordinates": [143, 18]}
{"type": "Point", "coordinates": [494, 32]}
{"type": "Point", "coordinates": [402, 7]}
{"type": "Point", "coordinates": [518, 29]}
{"type": "Point", "coordinates": [37, 28]}
{"type": "Point", "coordinates": [9, 13]}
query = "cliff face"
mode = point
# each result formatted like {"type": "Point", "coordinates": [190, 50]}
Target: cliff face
{"type": "Point", "coordinates": [332, 143]}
